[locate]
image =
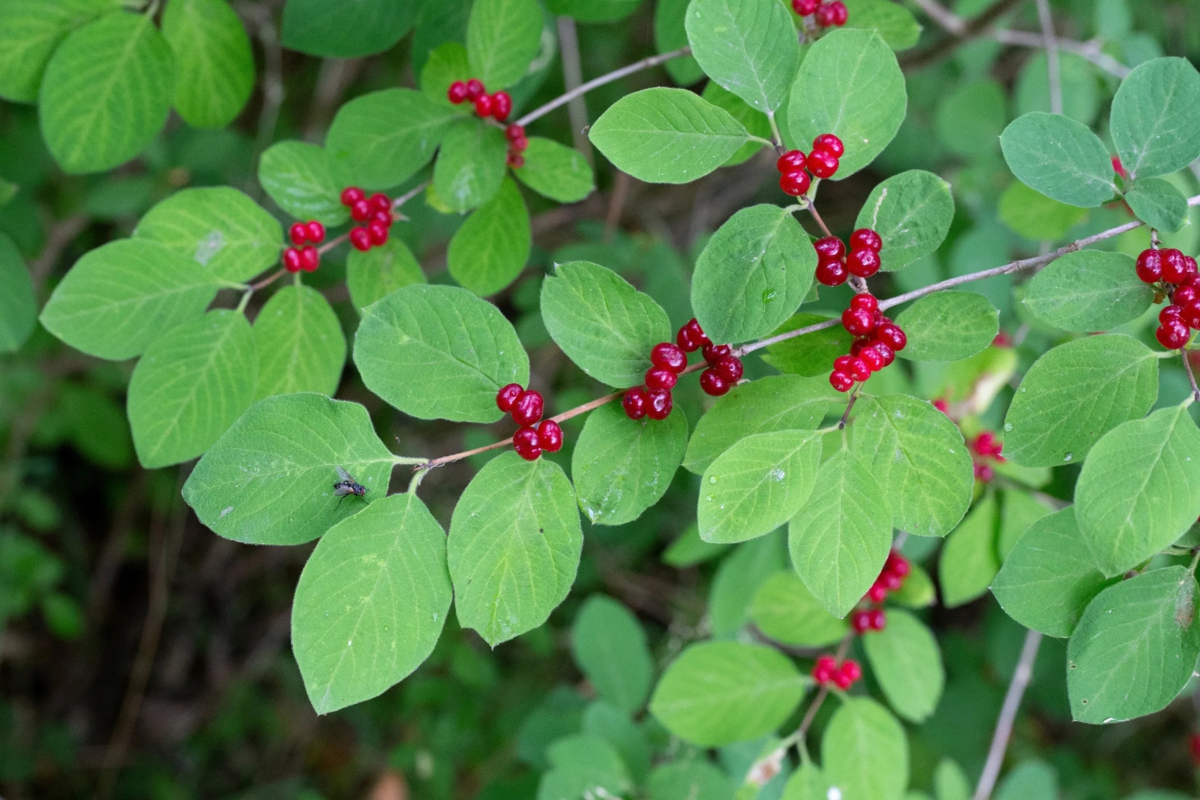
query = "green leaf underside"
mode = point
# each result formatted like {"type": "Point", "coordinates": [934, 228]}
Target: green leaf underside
{"type": "Point", "coordinates": [1155, 121]}
{"type": "Point", "coordinates": [300, 344]}
{"type": "Point", "coordinates": [842, 535]}
{"type": "Point", "coordinates": [119, 297]}
{"type": "Point", "coordinates": [18, 305]}
{"type": "Point", "coordinates": [1060, 158]}
{"type": "Point", "coordinates": [622, 466]}
{"type": "Point", "coordinates": [610, 647]}
{"type": "Point", "coordinates": [912, 213]}
{"type": "Point", "coordinates": [514, 546]}
{"type": "Point", "coordinates": [470, 166]}
{"type": "Point", "coordinates": [1135, 647]}
{"type": "Point", "coordinates": [602, 323]}
{"type": "Point", "coordinates": [906, 661]}
{"type": "Point", "coordinates": [305, 180]}
{"type": "Point", "coordinates": [786, 611]}
{"type": "Point", "coordinates": [30, 31]}
{"type": "Point", "coordinates": [373, 275]}
{"type": "Point", "coordinates": [1158, 204]}
{"type": "Point", "coordinates": [1049, 577]}
{"type": "Point", "coordinates": [666, 135]}
{"type": "Point", "coordinates": [503, 36]}
{"type": "Point", "coordinates": [1139, 490]}
{"type": "Point", "coordinates": [1088, 291]}
{"type": "Point", "coordinates": [556, 171]}
{"type": "Point", "coordinates": [865, 752]}
{"type": "Point", "coordinates": [269, 479]}
{"type": "Point", "coordinates": [747, 46]}
{"type": "Point", "coordinates": [969, 560]}
{"type": "Point", "coordinates": [345, 30]}
{"type": "Point", "coordinates": [490, 249]}
{"type": "Point", "coordinates": [1076, 393]}
{"type": "Point", "coordinates": [439, 352]}
{"type": "Point", "coordinates": [214, 63]}
{"type": "Point", "coordinates": [717, 693]}
{"type": "Point", "coordinates": [371, 602]}
{"type": "Point", "coordinates": [948, 326]}
{"type": "Point", "coordinates": [753, 274]}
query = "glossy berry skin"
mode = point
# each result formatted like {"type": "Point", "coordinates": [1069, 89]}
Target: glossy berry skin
{"type": "Point", "coordinates": [871, 357]}
{"type": "Point", "coordinates": [822, 164]}
{"type": "Point", "coordinates": [1173, 335]}
{"type": "Point", "coordinates": [351, 195]}
{"type": "Point", "coordinates": [805, 7]}
{"type": "Point", "coordinates": [795, 183]}
{"type": "Point", "coordinates": [291, 260]}
{"type": "Point", "coordinates": [661, 378]}
{"type": "Point", "coordinates": [863, 263]}
{"type": "Point", "coordinates": [877, 593]}
{"type": "Point", "coordinates": [842, 363]}
{"type": "Point", "coordinates": [635, 402]}
{"type": "Point", "coordinates": [310, 259]}
{"type": "Point", "coordinates": [832, 273]}
{"type": "Point", "coordinates": [864, 302]}
{"type": "Point", "coordinates": [474, 89]}
{"type": "Point", "coordinates": [824, 670]}
{"type": "Point", "coordinates": [660, 403]}
{"type": "Point", "coordinates": [1174, 267]}
{"type": "Point", "coordinates": [501, 106]}
{"type": "Point", "coordinates": [878, 619]}
{"type": "Point", "coordinates": [858, 322]}
{"type": "Point", "coordinates": [838, 13]}
{"type": "Point", "coordinates": [457, 92]}
{"type": "Point", "coordinates": [841, 380]}
{"type": "Point", "coordinates": [1191, 315]}
{"type": "Point", "coordinates": [506, 398]}
{"type": "Point", "coordinates": [685, 341]}
{"type": "Point", "coordinates": [791, 161]}
{"type": "Point", "coordinates": [730, 369]}
{"type": "Point", "coordinates": [298, 233]}
{"type": "Point", "coordinates": [892, 336]}
{"type": "Point", "coordinates": [866, 239]}
{"type": "Point", "coordinates": [380, 202]}
{"type": "Point", "coordinates": [697, 333]}
{"type": "Point", "coordinates": [1150, 266]}
{"type": "Point", "coordinates": [851, 671]}
{"type": "Point", "coordinates": [830, 144]}
{"type": "Point", "coordinates": [669, 356]}
{"type": "Point", "coordinates": [483, 105]}
{"type": "Point", "coordinates": [885, 352]}
{"type": "Point", "coordinates": [861, 621]}
{"type": "Point", "coordinates": [515, 161]}
{"type": "Point", "coordinates": [514, 132]}
{"type": "Point", "coordinates": [360, 239]}
{"type": "Point", "coordinates": [713, 383]}
{"type": "Point", "coordinates": [715, 352]}
{"type": "Point", "coordinates": [360, 211]}
{"type": "Point", "coordinates": [316, 232]}
{"type": "Point", "coordinates": [859, 369]}
{"type": "Point", "coordinates": [377, 233]}
{"type": "Point", "coordinates": [1170, 314]}
{"type": "Point", "coordinates": [528, 408]}
{"type": "Point", "coordinates": [1185, 294]}
{"type": "Point", "coordinates": [527, 444]}
{"type": "Point", "coordinates": [550, 436]}
{"type": "Point", "coordinates": [830, 248]}
{"type": "Point", "coordinates": [383, 218]}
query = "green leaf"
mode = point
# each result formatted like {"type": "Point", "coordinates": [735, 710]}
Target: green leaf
{"type": "Point", "coordinates": [218, 227]}
{"type": "Point", "coordinates": [1158, 204]}
{"type": "Point", "coordinates": [917, 591]}
{"type": "Point", "coordinates": [1021, 509]}
{"type": "Point", "coordinates": [269, 478]}
{"type": "Point", "coordinates": [811, 354]}
{"type": "Point", "coordinates": [383, 138]}
{"type": "Point", "coordinates": [503, 36]}
{"type": "Point", "coordinates": [371, 602]}
{"type": "Point", "coordinates": [971, 117]}
{"type": "Point", "coordinates": [969, 560]}
{"type": "Point", "coordinates": [1076, 393]}
{"type": "Point", "coordinates": [378, 272]}
{"type": "Point", "coordinates": [609, 645]}
{"type": "Point", "coordinates": [345, 30]}
{"type": "Point", "coordinates": [755, 122]}
{"type": "Point", "coordinates": [1080, 90]}
{"type": "Point", "coordinates": [894, 23]}
{"type": "Point", "coordinates": [906, 661]}
{"type": "Point", "coordinates": [753, 274]}
{"type": "Point", "coordinates": [119, 297]}
{"type": "Point", "coordinates": [1033, 215]}
{"type": "Point", "coordinates": [1060, 158]}
{"type": "Point", "coordinates": [618, 729]}
{"type": "Point", "coordinates": [738, 578]}
{"type": "Point", "coordinates": [602, 323]}
{"type": "Point", "coordinates": [593, 10]}
{"type": "Point", "coordinates": [841, 538]}
{"type": "Point", "coordinates": [1032, 780]}
{"type": "Point", "coordinates": [584, 765]}
{"type": "Point", "coordinates": [912, 213]}
{"type": "Point", "coordinates": [757, 485]}
{"type": "Point", "coordinates": [213, 61]}
{"type": "Point", "coordinates": [470, 167]}
{"type": "Point", "coordinates": [514, 546]}
{"type": "Point", "coordinates": [439, 352]}
{"type": "Point", "coordinates": [717, 693]}
{"type": "Point", "coordinates": [689, 549]}
{"type": "Point", "coordinates": [1155, 122]}
{"type": "Point", "coordinates": [865, 752]}
{"type": "Point", "coordinates": [950, 782]}
{"type": "Point", "coordinates": [96, 425]}
{"type": "Point", "coordinates": [306, 181]}
{"type": "Point", "coordinates": [556, 171]}
{"type": "Point", "coordinates": [18, 305]}
{"type": "Point", "coordinates": [30, 31]}
{"type": "Point", "coordinates": [786, 611]}
{"type": "Point", "coordinates": [1088, 291]}
{"type": "Point", "coordinates": [1139, 490]}
{"type": "Point", "coordinates": [490, 249]}
{"type": "Point", "coordinates": [918, 456]}
{"type": "Point", "coordinates": [622, 466]}
{"type": "Point", "coordinates": [670, 35]}
{"type": "Point", "coordinates": [688, 780]}
{"type": "Point", "coordinates": [106, 93]}
{"type": "Point", "coordinates": [300, 344]}
{"type": "Point", "coordinates": [748, 47]}
{"type": "Point", "coordinates": [1135, 648]}
{"type": "Point", "coordinates": [1049, 577]}
{"type": "Point", "coordinates": [189, 387]}
{"type": "Point", "coordinates": [766, 405]}
{"type": "Point", "coordinates": [666, 135]}
{"type": "Point", "coordinates": [948, 326]}
{"type": "Point", "coordinates": [850, 85]}
{"type": "Point", "coordinates": [446, 64]}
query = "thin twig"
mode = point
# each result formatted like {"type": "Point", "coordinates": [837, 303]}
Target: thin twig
{"type": "Point", "coordinates": [409, 195]}
{"type": "Point", "coordinates": [1187, 365]}
{"type": "Point", "coordinates": [849, 406]}
{"type": "Point", "coordinates": [1008, 715]}
{"type": "Point", "coordinates": [976, 26]}
{"type": "Point", "coordinates": [272, 84]}
{"type": "Point", "coordinates": [942, 16]}
{"type": "Point", "coordinates": [61, 234]}
{"type": "Point", "coordinates": [1088, 50]}
{"type": "Point", "coordinates": [1054, 75]}
{"type": "Point", "coordinates": [812, 209]}
{"type": "Point", "coordinates": [572, 67]}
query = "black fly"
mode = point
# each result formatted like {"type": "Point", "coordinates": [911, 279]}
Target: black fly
{"type": "Point", "coordinates": [346, 485]}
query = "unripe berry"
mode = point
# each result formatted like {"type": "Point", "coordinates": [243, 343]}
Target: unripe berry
{"type": "Point", "coordinates": [713, 383]}
{"type": "Point", "coordinates": [298, 233]}
{"type": "Point", "coordinates": [660, 404]}
{"type": "Point", "coordinates": [457, 92]}
{"type": "Point", "coordinates": [1173, 335]}
{"type": "Point", "coordinates": [841, 380]}
{"type": "Point", "coordinates": [822, 164]}
{"type": "Point", "coordinates": [310, 259]}
{"type": "Point", "coordinates": [730, 369]}
{"type": "Point", "coordinates": [661, 378]}
{"type": "Point", "coordinates": [528, 408]}
{"type": "Point", "coordinates": [892, 336]}
{"type": "Point", "coordinates": [1174, 267]}
{"type": "Point", "coordinates": [715, 352]}
{"type": "Point", "coordinates": [474, 89]}
{"type": "Point", "coordinates": [832, 273]}
{"type": "Point", "coordinates": [805, 7]}
{"type": "Point", "coordinates": [866, 239]}
{"type": "Point", "coordinates": [291, 260]}
{"type": "Point", "coordinates": [351, 195]}
{"type": "Point", "coordinates": [514, 132]}
{"type": "Point", "coordinates": [863, 263]}
{"type": "Point", "coordinates": [791, 161]}
{"type": "Point", "coordinates": [506, 398]}
{"type": "Point", "coordinates": [360, 239]}
{"type": "Point", "coordinates": [635, 402]}
{"type": "Point", "coordinates": [864, 302]}
{"type": "Point", "coordinates": [830, 144]}
{"type": "Point", "coordinates": [1150, 266]}
{"type": "Point", "coordinates": [795, 183]}
{"type": "Point", "coordinates": [316, 232]}
{"type": "Point", "coordinates": [360, 211]}
{"type": "Point", "coordinates": [857, 321]}
{"type": "Point", "coordinates": [527, 444]}
{"type": "Point", "coordinates": [483, 105]}
{"type": "Point", "coordinates": [550, 436]}
{"type": "Point", "coordinates": [670, 356]}
{"type": "Point", "coordinates": [859, 370]}
{"type": "Point", "coordinates": [501, 106]}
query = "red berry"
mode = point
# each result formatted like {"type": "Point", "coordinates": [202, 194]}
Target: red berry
{"type": "Point", "coordinates": [380, 202]}
{"type": "Point", "coordinates": [838, 13]}
{"type": "Point", "coordinates": [886, 353]}
{"type": "Point", "coordinates": [360, 211]}
{"type": "Point", "coordinates": [457, 92]}
{"type": "Point", "coordinates": [661, 378]}
{"type": "Point", "coordinates": [1194, 748]}
{"type": "Point", "coordinates": [715, 352]}
{"type": "Point", "coordinates": [310, 259]}
{"type": "Point", "coordinates": [298, 233]}
{"type": "Point", "coordinates": [316, 232]}
{"type": "Point", "coordinates": [851, 671]}
{"type": "Point", "coordinates": [506, 398]}
{"type": "Point", "coordinates": [841, 380]}
{"type": "Point", "coordinates": [528, 408]}
{"type": "Point", "coordinates": [483, 105]}
{"type": "Point", "coordinates": [635, 402]}
{"type": "Point", "coordinates": [474, 89]}
{"type": "Point", "coordinates": [514, 132]}
{"type": "Point", "coordinates": [550, 436]}
{"type": "Point", "coordinates": [730, 369]}
{"type": "Point", "coordinates": [822, 164]}
{"type": "Point", "coordinates": [984, 473]}
{"type": "Point", "coordinates": [697, 333]}
{"type": "Point", "coordinates": [897, 565]}
{"type": "Point", "coordinates": [877, 593]}
{"type": "Point", "coordinates": [1117, 166]}
{"type": "Point", "coordinates": [939, 404]}
{"type": "Point", "coordinates": [830, 144]}
{"type": "Point", "coordinates": [1190, 267]}
{"type": "Point", "coordinates": [383, 218]}
{"type": "Point", "coordinates": [378, 233]}
{"type": "Point", "coordinates": [824, 16]}
{"type": "Point", "coordinates": [830, 248]}
{"type": "Point", "coordinates": [351, 195]}
{"type": "Point", "coordinates": [1174, 268]}
{"type": "Point", "coordinates": [892, 336]}
{"type": "Point", "coordinates": [824, 670]}
{"type": "Point", "coordinates": [878, 619]}
{"type": "Point", "coordinates": [866, 239]}
{"type": "Point", "coordinates": [857, 321]}
{"type": "Point", "coordinates": [1173, 335]}
{"type": "Point", "coordinates": [859, 370]}
{"type": "Point", "coordinates": [805, 7]}
{"type": "Point", "coordinates": [660, 403]}
{"type": "Point", "coordinates": [527, 444]}
{"type": "Point", "coordinates": [1150, 266]}
{"type": "Point", "coordinates": [832, 273]}
{"type": "Point", "coordinates": [1185, 294]}
{"type": "Point", "coordinates": [842, 363]}
{"type": "Point", "coordinates": [890, 582]}
{"type": "Point", "coordinates": [791, 161]}
{"type": "Point", "coordinates": [685, 341]}
{"type": "Point", "coordinates": [860, 621]}
{"type": "Point", "coordinates": [863, 263]}
{"type": "Point", "coordinates": [360, 239]}
{"type": "Point", "coordinates": [291, 260]}
{"type": "Point", "coordinates": [519, 145]}
{"type": "Point", "coordinates": [501, 106]}
{"type": "Point", "coordinates": [871, 357]}
{"type": "Point", "coordinates": [864, 302]}
{"type": "Point", "coordinates": [1190, 315]}
{"type": "Point", "coordinates": [669, 356]}
{"type": "Point", "coordinates": [515, 161]}
{"type": "Point", "coordinates": [713, 382]}
{"type": "Point", "coordinates": [841, 681]}
{"type": "Point", "coordinates": [795, 183]}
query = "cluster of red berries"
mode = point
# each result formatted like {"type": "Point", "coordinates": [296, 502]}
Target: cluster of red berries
{"type": "Point", "coordinates": [822, 162]}
{"type": "Point", "coordinates": [526, 407]}
{"type": "Point", "coordinates": [304, 256]}
{"type": "Point", "coordinates": [375, 212]}
{"type": "Point", "coordinates": [843, 676]}
{"type": "Point", "coordinates": [498, 105]}
{"type": "Point", "coordinates": [877, 340]}
{"type": "Point", "coordinates": [986, 447]}
{"type": "Point", "coordinates": [835, 266]}
{"type": "Point", "coordinates": [516, 145]}
{"type": "Point", "coordinates": [824, 14]}
{"type": "Point", "coordinates": [890, 579]}
{"type": "Point", "coordinates": [1172, 273]}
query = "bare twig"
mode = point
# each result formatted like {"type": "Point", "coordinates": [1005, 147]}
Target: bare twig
{"type": "Point", "coordinates": [812, 209]}
{"type": "Point", "coordinates": [61, 234]}
{"type": "Point", "coordinates": [1046, 19]}
{"type": "Point", "coordinates": [849, 407]}
{"type": "Point", "coordinates": [272, 83]}
{"type": "Point", "coordinates": [1008, 715]}
{"type": "Point", "coordinates": [1187, 365]}
{"type": "Point", "coordinates": [572, 66]}
{"type": "Point", "coordinates": [1088, 50]}
{"type": "Point", "coordinates": [943, 16]}
{"type": "Point", "coordinates": [975, 27]}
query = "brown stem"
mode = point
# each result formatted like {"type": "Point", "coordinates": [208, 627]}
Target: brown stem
{"type": "Point", "coordinates": [332, 243]}
{"type": "Point", "coordinates": [1187, 365]}
{"type": "Point", "coordinates": [812, 209]}
{"type": "Point", "coordinates": [409, 195]}
{"type": "Point", "coordinates": [846, 414]}
{"type": "Point", "coordinates": [267, 281]}
{"type": "Point", "coordinates": [1008, 715]}
{"type": "Point", "coordinates": [974, 27]}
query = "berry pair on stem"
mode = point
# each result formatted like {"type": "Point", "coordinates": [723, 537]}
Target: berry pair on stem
{"type": "Point", "coordinates": [304, 256]}
{"type": "Point", "coordinates": [1173, 273]}
{"type": "Point", "coordinates": [824, 14]}
{"type": "Point", "coordinates": [890, 579]}
{"type": "Point", "coordinates": [724, 368]}
{"type": "Point", "coordinates": [654, 399]}
{"type": "Point", "coordinates": [877, 341]}
{"type": "Point", "coordinates": [526, 407]}
{"type": "Point", "coordinates": [376, 214]}
{"type": "Point", "coordinates": [827, 671]}
{"type": "Point", "coordinates": [498, 105]}
{"type": "Point", "coordinates": [834, 266]}
{"type": "Point", "coordinates": [822, 162]}
{"type": "Point", "coordinates": [985, 448]}
{"type": "Point", "coordinates": [516, 145]}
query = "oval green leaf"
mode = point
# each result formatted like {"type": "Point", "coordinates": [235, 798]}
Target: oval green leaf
{"type": "Point", "coordinates": [1155, 120]}
{"type": "Point", "coordinates": [345, 30]}
{"type": "Point", "coordinates": [1088, 290]}
{"type": "Point", "coordinates": [907, 662]}
{"type": "Point", "coordinates": [470, 167]}
{"type": "Point", "coordinates": [213, 61]}
{"type": "Point", "coordinates": [865, 752]}
{"type": "Point", "coordinates": [305, 180]}
{"type": "Point", "coordinates": [490, 249]}
{"type": "Point", "coordinates": [1060, 158]}
{"type": "Point", "coordinates": [556, 171]}
{"type": "Point", "coordinates": [1158, 204]}
{"type": "Point", "coordinates": [785, 610]}
{"type": "Point", "coordinates": [609, 645]}
{"type": "Point", "coordinates": [503, 36]}
{"type": "Point", "coordinates": [300, 344]}
{"type": "Point", "coordinates": [373, 275]}
{"type": "Point", "coordinates": [747, 46]}
{"type": "Point", "coordinates": [912, 213]}
{"type": "Point", "coordinates": [948, 326]}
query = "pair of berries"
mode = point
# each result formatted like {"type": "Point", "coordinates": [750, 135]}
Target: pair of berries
{"type": "Point", "coordinates": [654, 400]}
{"type": "Point", "coordinates": [824, 14]}
{"type": "Point", "coordinates": [526, 407]}
{"type": "Point", "coordinates": [835, 266]}
{"type": "Point", "coordinates": [1170, 271]}
{"type": "Point", "coordinates": [376, 214]}
{"type": "Point", "coordinates": [304, 256]}
{"type": "Point", "coordinates": [843, 676]}
{"type": "Point", "coordinates": [498, 105]}
{"type": "Point", "coordinates": [877, 341]}
{"type": "Point", "coordinates": [872, 619]}
{"type": "Point", "coordinates": [822, 162]}
{"type": "Point", "coordinates": [890, 579]}
{"type": "Point", "coordinates": [724, 368]}
{"type": "Point", "coordinates": [986, 447]}
{"type": "Point", "coordinates": [516, 145]}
